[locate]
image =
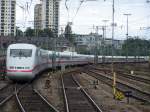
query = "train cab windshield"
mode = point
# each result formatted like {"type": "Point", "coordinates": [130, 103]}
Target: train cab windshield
{"type": "Point", "coordinates": [20, 52]}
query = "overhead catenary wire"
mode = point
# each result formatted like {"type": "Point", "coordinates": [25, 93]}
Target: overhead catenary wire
{"type": "Point", "coordinates": [81, 2]}
{"type": "Point", "coordinates": [30, 4]}
{"type": "Point", "coordinates": [23, 11]}
{"type": "Point", "coordinates": [26, 7]}
{"type": "Point", "coordinates": [68, 9]}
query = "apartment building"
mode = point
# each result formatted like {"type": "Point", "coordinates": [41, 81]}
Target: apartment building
{"type": "Point", "coordinates": [50, 14]}
{"type": "Point", "coordinates": [8, 17]}
{"type": "Point", "coordinates": [38, 16]}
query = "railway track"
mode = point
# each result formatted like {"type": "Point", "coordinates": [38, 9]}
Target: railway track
{"type": "Point", "coordinates": [136, 93]}
{"type": "Point", "coordinates": [134, 77]}
{"type": "Point", "coordinates": [136, 82]}
{"type": "Point", "coordinates": [6, 93]}
{"type": "Point", "coordinates": [139, 82]}
{"type": "Point", "coordinates": [138, 69]}
{"type": "Point", "coordinates": [30, 100]}
{"type": "Point", "coordinates": [76, 98]}
{"type": "Point", "coordinates": [124, 74]}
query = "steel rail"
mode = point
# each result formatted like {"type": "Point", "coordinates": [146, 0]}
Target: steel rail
{"type": "Point", "coordinates": [4, 87]}
{"type": "Point", "coordinates": [87, 95]}
{"type": "Point", "coordinates": [45, 100]}
{"type": "Point", "coordinates": [18, 100]}
{"type": "Point", "coordinates": [65, 96]}
{"type": "Point", "coordinates": [127, 75]}
{"type": "Point", "coordinates": [38, 94]}
{"type": "Point", "coordinates": [8, 97]}
{"type": "Point", "coordinates": [134, 77]}
{"type": "Point", "coordinates": [108, 81]}
{"type": "Point", "coordinates": [75, 93]}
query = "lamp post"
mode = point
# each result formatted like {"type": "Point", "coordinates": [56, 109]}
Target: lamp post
{"type": "Point", "coordinates": [127, 35]}
{"type": "Point", "coordinates": [96, 46]}
{"type": "Point", "coordinates": [113, 32]}
{"type": "Point", "coordinates": [54, 48]}
{"type": "Point", "coordinates": [17, 34]}
{"type": "Point", "coordinates": [103, 41]}
{"type": "Point", "coordinates": [0, 42]}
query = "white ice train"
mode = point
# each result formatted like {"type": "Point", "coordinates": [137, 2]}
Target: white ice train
{"type": "Point", "coordinates": [25, 61]}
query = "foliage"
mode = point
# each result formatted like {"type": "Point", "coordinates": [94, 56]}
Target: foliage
{"type": "Point", "coordinates": [29, 32]}
{"type": "Point", "coordinates": [107, 51]}
{"type": "Point", "coordinates": [136, 47]}
{"type": "Point", "coordinates": [19, 33]}
{"type": "Point", "coordinates": [82, 50]}
{"type": "Point", "coordinates": [69, 35]}
{"type": "Point", "coordinates": [47, 32]}
{"type": "Point", "coordinates": [132, 47]}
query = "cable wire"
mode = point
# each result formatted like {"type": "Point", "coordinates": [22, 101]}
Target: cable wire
{"type": "Point", "coordinates": [81, 2]}
{"type": "Point", "coordinates": [67, 8]}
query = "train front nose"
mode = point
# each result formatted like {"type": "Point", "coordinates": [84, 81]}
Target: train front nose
{"type": "Point", "coordinates": [18, 75]}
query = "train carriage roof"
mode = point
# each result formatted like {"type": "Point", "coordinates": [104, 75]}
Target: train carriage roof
{"type": "Point", "coordinates": [22, 46]}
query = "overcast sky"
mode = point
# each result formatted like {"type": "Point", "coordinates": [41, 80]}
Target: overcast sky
{"type": "Point", "coordinates": [92, 13]}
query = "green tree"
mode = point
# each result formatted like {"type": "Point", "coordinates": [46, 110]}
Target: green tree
{"type": "Point", "coordinates": [19, 33]}
{"type": "Point", "coordinates": [136, 47]}
{"type": "Point", "coordinates": [29, 32]}
{"type": "Point", "coordinates": [68, 34]}
{"type": "Point", "coordinates": [48, 32]}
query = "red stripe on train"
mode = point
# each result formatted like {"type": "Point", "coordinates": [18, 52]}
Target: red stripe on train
{"type": "Point", "coordinates": [19, 70]}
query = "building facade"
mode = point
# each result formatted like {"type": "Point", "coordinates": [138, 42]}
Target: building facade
{"type": "Point", "coordinates": [89, 41]}
{"type": "Point", "coordinates": [8, 17]}
{"type": "Point", "coordinates": [50, 14]}
{"type": "Point", "coordinates": [38, 17]}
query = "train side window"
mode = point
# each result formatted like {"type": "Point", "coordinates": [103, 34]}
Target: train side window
{"type": "Point", "coordinates": [36, 52]}
{"type": "Point", "coordinates": [40, 53]}
{"type": "Point", "coordinates": [50, 57]}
